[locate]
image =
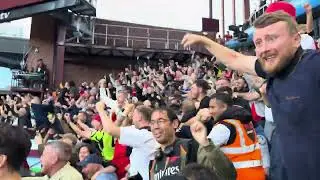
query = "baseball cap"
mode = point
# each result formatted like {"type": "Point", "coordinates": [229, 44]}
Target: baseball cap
{"type": "Point", "coordinates": [91, 159]}
{"type": "Point", "coordinates": [284, 6]}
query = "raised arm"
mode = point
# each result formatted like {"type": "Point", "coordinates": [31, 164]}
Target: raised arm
{"type": "Point", "coordinates": [308, 9]}
{"type": "Point", "coordinates": [78, 102]}
{"type": "Point", "coordinates": [226, 56]}
{"type": "Point", "coordinates": [210, 155]}
{"type": "Point", "coordinates": [113, 82]}
{"type": "Point", "coordinates": [83, 133]}
{"type": "Point", "coordinates": [83, 126]}
{"type": "Point", "coordinates": [249, 96]}
{"type": "Point", "coordinates": [108, 126]}
{"type": "Point", "coordinates": [159, 84]}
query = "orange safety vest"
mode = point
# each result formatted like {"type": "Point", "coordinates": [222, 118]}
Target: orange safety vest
{"type": "Point", "coordinates": [245, 153]}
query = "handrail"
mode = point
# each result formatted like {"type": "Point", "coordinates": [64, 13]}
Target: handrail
{"type": "Point", "coordinates": [258, 13]}
{"type": "Point", "coordinates": [136, 37]}
{"type": "Point", "coordinates": [115, 35]}
{"type": "Point", "coordinates": [127, 36]}
{"type": "Point", "coordinates": [138, 27]}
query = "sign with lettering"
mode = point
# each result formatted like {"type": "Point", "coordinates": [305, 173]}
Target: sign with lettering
{"type": "Point", "coordinates": [4, 15]}
{"type": "Point", "coordinates": [17, 9]}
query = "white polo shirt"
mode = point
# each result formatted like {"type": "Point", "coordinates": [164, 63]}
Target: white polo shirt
{"type": "Point", "coordinates": [143, 146]}
{"type": "Point", "coordinates": [307, 42]}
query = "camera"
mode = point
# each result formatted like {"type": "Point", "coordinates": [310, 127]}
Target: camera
{"type": "Point", "coordinates": [238, 33]}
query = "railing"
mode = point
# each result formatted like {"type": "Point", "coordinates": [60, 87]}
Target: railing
{"type": "Point", "coordinates": [258, 13]}
{"type": "Point", "coordinates": [24, 80]}
{"type": "Point", "coordinates": [126, 35]}
{"type": "Point", "coordinates": [93, 2]}
{"type": "Point", "coordinates": [136, 37]}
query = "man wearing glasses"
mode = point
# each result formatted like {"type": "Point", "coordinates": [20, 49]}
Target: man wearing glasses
{"type": "Point", "coordinates": [175, 153]}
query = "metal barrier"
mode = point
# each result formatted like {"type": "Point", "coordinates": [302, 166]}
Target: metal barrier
{"type": "Point", "coordinates": [21, 79]}
{"type": "Point", "coordinates": [260, 11]}
{"type": "Point", "coordinates": [136, 37]}
{"type": "Point", "coordinates": [93, 2]}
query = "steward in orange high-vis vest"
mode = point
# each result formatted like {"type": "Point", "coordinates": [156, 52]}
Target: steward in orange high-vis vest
{"type": "Point", "coordinates": [234, 133]}
{"type": "Point", "coordinates": [245, 153]}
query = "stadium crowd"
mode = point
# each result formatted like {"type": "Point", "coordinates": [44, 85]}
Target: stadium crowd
{"type": "Point", "coordinates": [197, 120]}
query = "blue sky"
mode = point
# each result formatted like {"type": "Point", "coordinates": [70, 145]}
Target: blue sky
{"type": "Point", "coordinates": [19, 29]}
{"type": "Point", "coordinates": [5, 77]}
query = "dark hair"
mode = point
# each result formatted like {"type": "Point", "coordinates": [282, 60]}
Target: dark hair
{"type": "Point", "coordinates": [15, 144]}
{"type": "Point", "coordinates": [225, 89]}
{"type": "Point", "coordinates": [170, 113]}
{"type": "Point", "coordinates": [195, 171]}
{"type": "Point", "coordinates": [224, 98]}
{"type": "Point", "coordinates": [202, 84]}
{"type": "Point", "coordinates": [91, 149]}
{"type": "Point", "coordinates": [145, 112]}
{"type": "Point", "coordinates": [72, 84]}
{"type": "Point", "coordinates": [245, 88]}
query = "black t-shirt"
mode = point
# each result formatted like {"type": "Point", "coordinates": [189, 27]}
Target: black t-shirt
{"type": "Point", "coordinates": [39, 113]}
{"type": "Point", "coordinates": [242, 102]}
{"type": "Point", "coordinates": [185, 131]}
{"type": "Point", "coordinates": [113, 93]}
{"type": "Point", "coordinates": [169, 165]}
{"type": "Point", "coordinates": [311, 33]}
{"type": "Point", "coordinates": [204, 103]}
{"type": "Point", "coordinates": [153, 97]}
{"type": "Point", "coordinates": [25, 120]}
{"type": "Point", "coordinates": [260, 72]}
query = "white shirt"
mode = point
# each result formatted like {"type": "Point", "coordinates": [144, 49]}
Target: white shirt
{"type": "Point", "coordinates": [143, 146]}
{"type": "Point", "coordinates": [259, 105]}
{"type": "Point", "coordinates": [219, 135]}
{"type": "Point", "coordinates": [103, 93]}
{"type": "Point", "coordinates": [268, 114]}
{"type": "Point", "coordinates": [307, 42]}
{"type": "Point", "coordinates": [113, 105]}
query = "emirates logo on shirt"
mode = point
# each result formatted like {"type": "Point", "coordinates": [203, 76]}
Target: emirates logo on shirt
{"type": "Point", "coordinates": [170, 171]}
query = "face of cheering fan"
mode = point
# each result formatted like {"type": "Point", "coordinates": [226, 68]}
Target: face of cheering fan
{"type": "Point", "coordinates": [275, 46]}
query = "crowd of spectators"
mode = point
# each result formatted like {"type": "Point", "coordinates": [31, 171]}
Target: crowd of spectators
{"type": "Point", "coordinates": [117, 139]}
{"type": "Point", "coordinates": [191, 120]}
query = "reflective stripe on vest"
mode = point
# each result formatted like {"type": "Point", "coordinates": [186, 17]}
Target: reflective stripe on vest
{"type": "Point", "coordinates": [247, 164]}
{"type": "Point", "coordinates": [244, 148]}
{"type": "Point", "coordinates": [240, 150]}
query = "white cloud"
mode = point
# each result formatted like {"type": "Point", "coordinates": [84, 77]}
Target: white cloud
{"type": "Point", "coordinates": [181, 14]}
{"type": "Point", "coordinates": [19, 28]}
